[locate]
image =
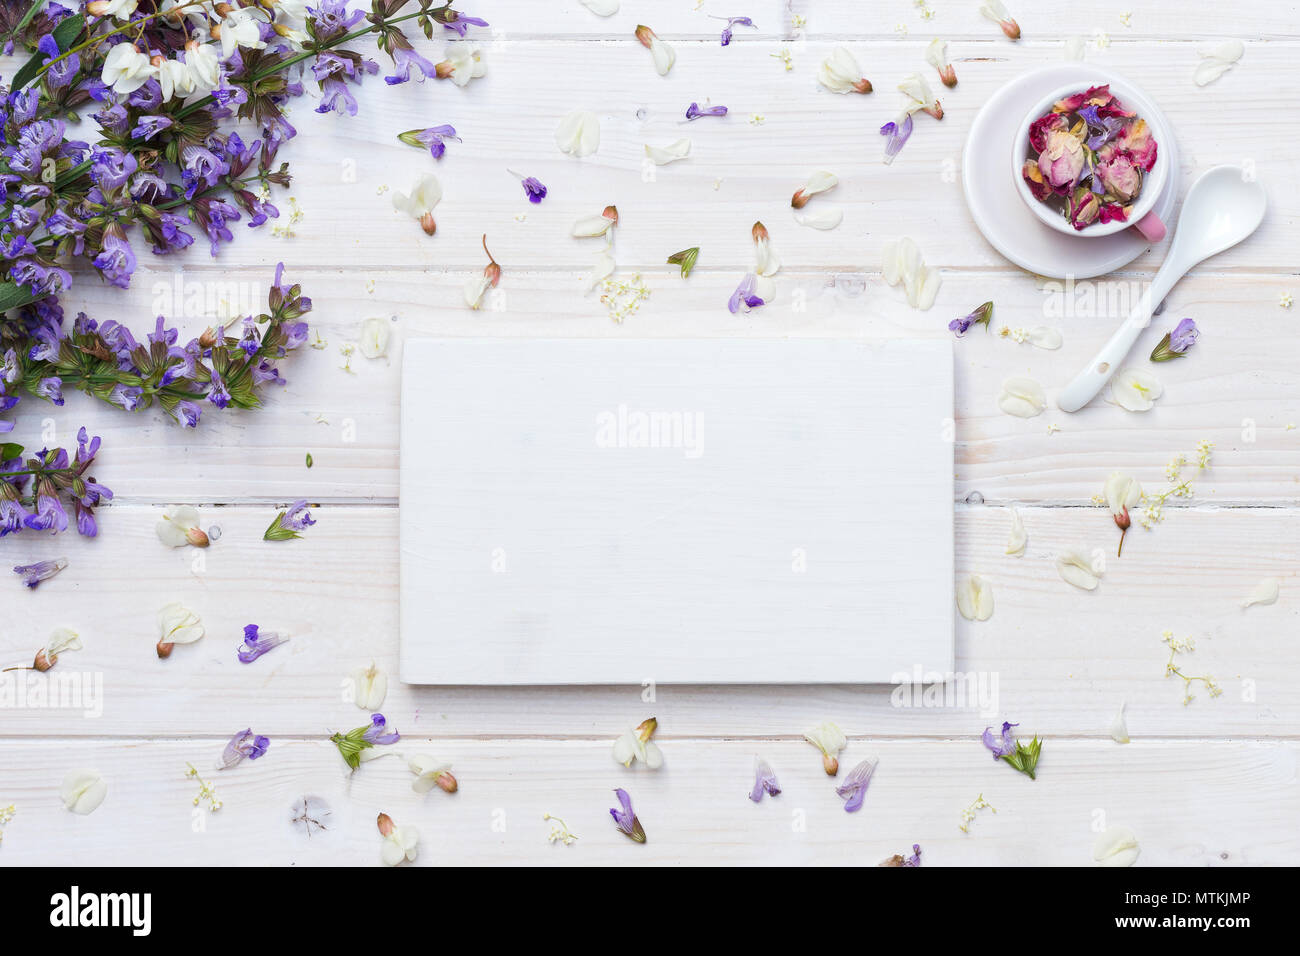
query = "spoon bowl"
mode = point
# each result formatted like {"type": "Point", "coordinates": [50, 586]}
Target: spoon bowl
{"type": "Point", "coordinates": [1223, 207]}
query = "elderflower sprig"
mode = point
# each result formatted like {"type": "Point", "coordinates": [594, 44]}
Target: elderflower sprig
{"type": "Point", "coordinates": [1186, 646]}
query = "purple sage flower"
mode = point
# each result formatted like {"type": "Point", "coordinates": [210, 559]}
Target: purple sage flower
{"type": "Point", "coordinates": [34, 574]}
{"type": "Point", "coordinates": [981, 316]}
{"type": "Point", "coordinates": [745, 295]}
{"type": "Point", "coordinates": [461, 23]}
{"type": "Point", "coordinates": [1001, 746]}
{"type": "Point", "coordinates": [732, 22]}
{"type": "Point", "coordinates": [432, 138]}
{"type": "Point", "coordinates": [378, 732]}
{"type": "Point", "coordinates": [1177, 342]}
{"type": "Point", "coordinates": [694, 112]}
{"type": "Point", "coordinates": [534, 189]}
{"type": "Point", "coordinates": [855, 785]}
{"type": "Point", "coordinates": [896, 135]}
{"type": "Point", "coordinates": [625, 818]}
{"type": "Point", "coordinates": [258, 642]}
{"type": "Point", "coordinates": [244, 744]}
{"type": "Point", "coordinates": [764, 781]}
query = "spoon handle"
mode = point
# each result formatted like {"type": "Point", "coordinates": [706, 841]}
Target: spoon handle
{"type": "Point", "coordinates": [1106, 363]}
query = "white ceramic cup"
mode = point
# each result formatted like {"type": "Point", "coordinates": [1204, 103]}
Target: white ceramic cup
{"type": "Point", "coordinates": [1141, 217]}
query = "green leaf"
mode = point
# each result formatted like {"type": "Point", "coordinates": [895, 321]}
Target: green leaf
{"type": "Point", "coordinates": [28, 16]}
{"type": "Point", "coordinates": [13, 295]}
{"type": "Point", "coordinates": [686, 259]}
{"type": "Point", "coordinates": [64, 34]}
{"type": "Point", "coordinates": [278, 532]}
{"type": "Point", "coordinates": [10, 450]}
{"type": "Point", "coordinates": [1025, 757]}
{"type": "Point", "coordinates": [309, 462]}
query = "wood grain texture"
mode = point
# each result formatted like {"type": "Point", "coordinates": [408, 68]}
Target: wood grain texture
{"type": "Point", "coordinates": [1220, 803]}
{"type": "Point", "coordinates": [1209, 783]}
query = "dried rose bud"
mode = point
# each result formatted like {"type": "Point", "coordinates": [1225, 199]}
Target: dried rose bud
{"type": "Point", "coordinates": [196, 537]}
{"type": "Point", "coordinates": [949, 77]}
{"type": "Point", "coordinates": [446, 782]}
{"type": "Point", "coordinates": [385, 824]}
{"type": "Point", "coordinates": [646, 729]}
{"type": "Point", "coordinates": [165, 649]}
{"type": "Point", "coordinates": [935, 110]}
{"type": "Point", "coordinates": [645, 35]}
{"type": "Point", "coordinates": [427, 224]}
{"type": "Point", "coordinates": [444, 69]}
{"type": "Point", "coordinates": [611, 213]}
{"type": "Point", "coordinates": [759, 232]}
{"type": "Point", "coordinates": [831, 763]}
{"type": "Point", "coordinates": [862, 86]}
{"type": "Point", "coordinates": [44, 663]}
{"type": "Point", "coordinates": [1010, 28]}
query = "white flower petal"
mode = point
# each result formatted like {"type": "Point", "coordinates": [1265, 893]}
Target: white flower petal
{"type": "Point", "coordinates": [1135, 390]}
{"type": "Point", "coordinates": [1266, 592]}
{"type": "Point", "coordinates": [370, 687]}
{"type": "Point", "coordinates": [1074, 48]}
{"type": "Point", "coordinates": [916, 89]}
{"type": "Point", "coordinates": [1022, 397]}
{"type": "Point", "coordinates": [821, 218]}
{"type": "Point", "coordinates": [936, 54]}
{"type": "Point", "coordinates": [425, 194]}
{"type": "Point", "coordinates": [1119, 727]}
{"type": "Point", "coordinates": [1121, 491]}
{"type": "Point", "coordinates": [903, 263]}
{"type": "Point", "coordinates": [663, 155]}
{"type": "Point", "coordinates": [62, 639]}
{"type": "Point", "coordinates": [374, 337]}
{"type": "Point", "coordinates": [1076, 569]}
{"type": "Point", "coordinates": [1044, 338]}
{"type": "Point", "coordinates": [1117, 846]}
{"type": "Point", "coordinates": [839, 72]}
{"type": "Point", "coordinates": [663, 55]}
{"type": "Point", "coordinates": [654, 757]}
{"type": "Point", "coordinates": [601, 269]}
{"type": "Point", "coordinates": [475, 289]}
{"type": "Point", "coordinates": [827, 737]}
{"type": "Point", "coordinates": [591, 226]}
{"type": "Point", "coordinates": [1017, 540]}
{"type": "Point", "coordinates": [83, 790]}
{"type": "Point", "coordinates": [179, 625]}
{"type": "Point", "coordinates": [1218, 61]}
{"type": "Point", "coordinates": [975, 598]}
{"type": "Point", "coordinates": [578, 133]}
{"type": "Point", "coordinates": [625, 748]}
{"type": "Point", "coordinates": [601, 8]}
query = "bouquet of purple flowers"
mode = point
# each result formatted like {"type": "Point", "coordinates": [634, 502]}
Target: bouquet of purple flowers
{"type": "Point", "coordinates": [165, 82]}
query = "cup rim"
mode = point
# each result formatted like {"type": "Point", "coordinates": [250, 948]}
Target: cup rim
{"type": "Point", "coordinates": [1153, 184]}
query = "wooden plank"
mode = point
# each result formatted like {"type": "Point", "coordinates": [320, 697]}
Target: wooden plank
{"type": "Point", "coordinates": [1237, 388]}
{"type": "Point", "coordinates": [694, 810]}
{"type": "Point", "coordinates": [347, 168]}
{"type": "Point", "coordinates": [1059, 659]}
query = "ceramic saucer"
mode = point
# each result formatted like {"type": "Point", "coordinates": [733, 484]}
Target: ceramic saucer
{"type": "Point", "coordinates": [1000, 213]}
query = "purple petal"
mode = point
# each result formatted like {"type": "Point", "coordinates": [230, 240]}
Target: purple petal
{"type": "Point", "coordinates": [855, 785]}
{"type": "Point", "coordinates": [896, 136]}
{"type": "Point", "coordinates": [764, 781]}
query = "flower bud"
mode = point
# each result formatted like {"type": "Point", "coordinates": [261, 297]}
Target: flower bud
{"type": "Point", "coordinates": [97, 8]}
{"type": "Point", "coordinates": [831, 764]}
{"type": "Point", "coordinates": [43, 662]}
{"type": "Point", "coordinates": [209, 338]}
{"type": "Point", "coordinates": [646, 729]}
{"type": "Point", "coordinates": [164, 649]}
{"type": "Point", "coordinates": [427, 224]}
{"type": "Point", "coordinates": [644, 35]}
{"type": "Point", "coordinates": [611, 213]}
{"type": "Point", "coordinates": [759, 232]}
{"type": "Point", "coordinates": [197, 537]}
{"type": "Point", "coordinates": [444, 69]}
{"type": "Point", "coordinates": [862, 86]}
{"type": "Point", "coordinates": [949, 77]}
{"type": "Point", "coordinates": [446, 782]}
{"type": "Point", "coordinates": [1010, 28]}
{"type": "Point", "coordinates": [385, 824]}
{"type": "Point", "coordinates": [935, 110]}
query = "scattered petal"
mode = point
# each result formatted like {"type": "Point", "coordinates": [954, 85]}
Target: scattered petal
{"type": "Point", "coordinates": [34, 574]}
{"type": "Point", "coordinates": [429, 773]}
{"type": "Point", "coordinates": [975, 598]}
{"type": "Point", "coordinates": [374, 337]}
{"type": "Point", "coordinates": [855, 784]}
{"type": "Point", "coordinates": [601, 8]}
{"type": "Point", "coordinates": [1218, 61]}
{"type": "Point", "coordinates": [1017, 540]}
{"type": "Point", "coordinates": [1119, 727]}
{"type": "Point", "coordinates": [820, 219]}
{"type": "Point", "coordinates": [840, 73]}
{"type": "Point", "coordinates": [83, 791]}
{"type": "Point", "coordinates": [578, 133]}
{"type": "Point", "coordinates": [1022, 397]}
{"type": "Point", "coordinates": [180, 526]}
{"type": "Point", "coordinates": [663, 55]}
{"type": "Point", "coordinates": [626, 819]}
{"type": "Point", "coordinates": [1044, 338]}
{"type": "Point", "coordinates": [636, 745]}
{"type": "Point", "coordinates": [1076, 569]}
{"type": "Point", "coordinates": [830, 740]}
{"type": "Point", "coordinates": [369, 686]}
{"type": "Point", "coordinates": [1266, 592]}
{"type": "Point", "coordinates": [818, 182]}
{"type": "Point", "coordinates": [1116, 846]}
{"type": "Point", "coordinates": [1135, 390]}
{"type": "Point", "coordinates": [903, 263]}
{"type": "Point", "coordinates": [765, 781]}
{"type": "Point", "coordinates": [663, 155]}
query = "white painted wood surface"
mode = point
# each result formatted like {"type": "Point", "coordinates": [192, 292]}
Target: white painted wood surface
{"type": "Point", "coordinates": [601, 512]}
{"type": "Point", "coordinates": [1211, 783]}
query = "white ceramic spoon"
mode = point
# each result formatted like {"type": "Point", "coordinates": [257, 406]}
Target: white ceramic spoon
{"type": "Point", "coordinates": [1222, 208]}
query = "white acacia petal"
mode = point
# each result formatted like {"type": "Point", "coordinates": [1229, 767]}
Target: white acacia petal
{"type": "Point", "coordinates": [663, 155]}
{"type": "Point", "coordinates": [1117, 846]}
{"type": "Point", "coordinates": [663, 55]}
{"type": "Point", "coordinates": [820, 219]}
{"type": "Point", "coordinates": [1044, 337]}
{"type": "Point", "coordinates": [1119, 727]}
{"type": "Point", "coordinates": [936, 54]}
{"type": "Point", "coordinates": [601, 8]}
{"type": "Point", "coordinates": [1266, 592]}
{"type": "Point", "coordinates": [1017, 540]}
{"type": "Point", "coordinates": [601, 270]}
{"type": "Point", "coordinates": [1135, 390]}
{"type": "Point", "coordinates": [591, 227]}
{"type": "Point", "coordinates": [578, 133]}
{"type": "Point", "coordinates": [1077, 570]}
{"type": "Point", "coordinates": [1022, 397]}
{"type": "Point", "coordinates": [374, 337]}
{"type": "Point", "coordinates": [975, 598]}
{"type": "Point", "coordinates": [83, 791]}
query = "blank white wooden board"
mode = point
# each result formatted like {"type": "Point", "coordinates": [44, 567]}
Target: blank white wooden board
{"type": "Point", "coordinates": [583, 511]}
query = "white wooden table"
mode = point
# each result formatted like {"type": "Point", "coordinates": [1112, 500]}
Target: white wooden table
{"type": "Point", "coordinates": [1210, 783]}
